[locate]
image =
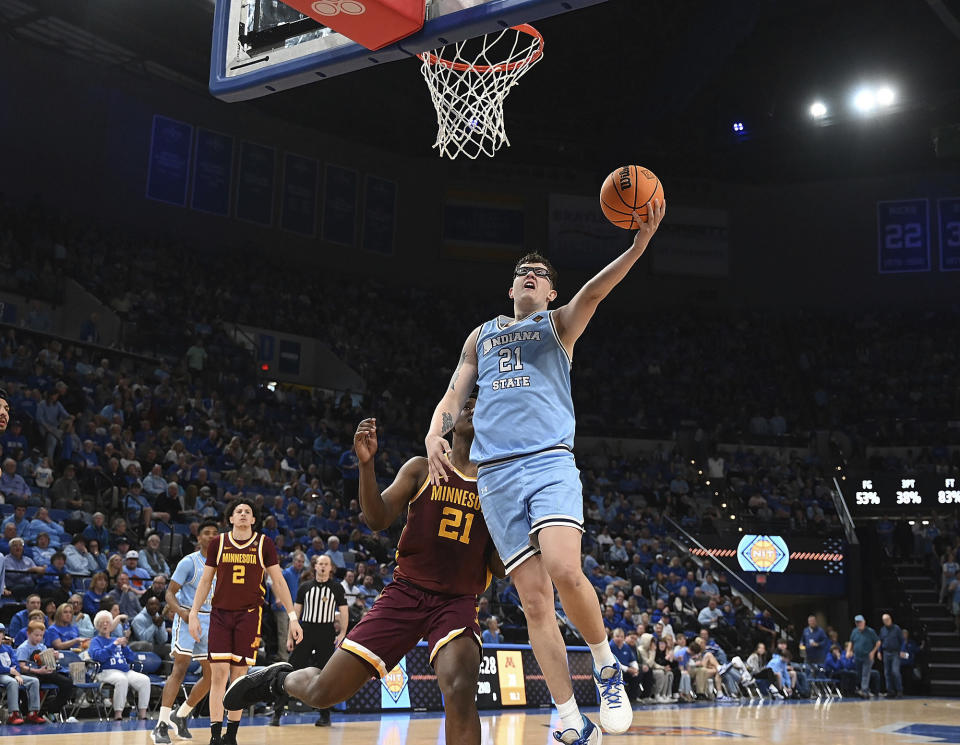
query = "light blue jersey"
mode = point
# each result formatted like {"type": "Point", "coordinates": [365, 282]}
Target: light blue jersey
{"type": "Point", "coordinates": [187, 575]}
{"type": "Point", "coordinates": [524, 405]}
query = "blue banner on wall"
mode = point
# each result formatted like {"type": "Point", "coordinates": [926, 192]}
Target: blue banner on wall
{"type": "Point", "coordinates": [212, 173]}
{"type": "Point", "coordinates": [340, 205]}
{"type": "Point", "coordinates": [379, 215]}
{"type": "Point", "coordinates": [949, 214]}
{"type": "Point", "coordinates": [169, 164]}
{"type": "Point", "coordinates": [903, 236]}
{"type": "Point", "coordinates": [255, 184]}
{"type": "Point", "coordinates": [299, 211]}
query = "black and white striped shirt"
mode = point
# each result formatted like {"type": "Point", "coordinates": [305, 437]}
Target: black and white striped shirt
{"type": "Point", "coordinates": [320, 601]}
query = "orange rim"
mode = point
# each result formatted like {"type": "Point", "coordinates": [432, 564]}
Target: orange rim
{"type": "Point", "coordinates": [525, 28]}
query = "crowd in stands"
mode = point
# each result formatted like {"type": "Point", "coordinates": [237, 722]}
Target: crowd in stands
{"type": "Point", "coordinates": [879, 378]}
{"type": "Point", "coordinates": [112, 460]}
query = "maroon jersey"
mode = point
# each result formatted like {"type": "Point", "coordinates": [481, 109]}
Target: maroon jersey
{"type": "Point", "coordinates": [240, 570]}
{"type": "Point", "coordinates": [443, 547]}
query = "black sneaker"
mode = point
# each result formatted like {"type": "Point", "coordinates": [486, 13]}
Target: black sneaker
{"type": "Point", "coordinates": [228, 740]}
{"type": "Point", "coordinates": [215, 740]}
{"type": "Point", "coordinates": [253, 687]}
{"type": "Point", "coordinates": [323, 721]}
{"type": "Point", "coordinates": [180, 724]}
{"type": "Point", "coordinates": [160, 734]}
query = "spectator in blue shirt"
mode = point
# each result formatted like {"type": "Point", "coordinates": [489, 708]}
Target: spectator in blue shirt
{"type": "Point", "coordinates": [19, 620]}
{"type": "Point", "coordinates": [20, 570]}
{"type": "Point", "coordinates": [42, 523]}
{"type": "Point", "coordinates": [491, 634]}
{"type": "Point", "coordinates": [710, 615]}
{"type": "Point", "coordinates": [709, 587]}
{"type": "Point", "coordinates": [148, 627]}
{"type": "Point", "coordinates": [815, 642]}
{"type": "Point", "coordinates": [291, 576]}
{"type": "Point", "coordinates": [18, 519]}
{"type": "Point", "coordinates": [63, 632]}
{"type": "Point", "coordinates": [95, 593]}
{"type": "Point", "coordinates": [786, 678]}
{"type": "Point", "coordinates": [629, 663]}
{"type": "Point", "coordinates": [12, 485]}
{"type": "Point", "coordinates": [139, 577]}
{"type": "Point", "coordinates": [115, 657]}
{"type": "Point", "coordinates": [334, 552]}
{"type": "Point", "coordinates": [367, 591]}
{"type": "Point", "coordinates": [43, 551]}
{"type": "Point", "coordinates": [79, 561]}
{"type": "Point", "coordinates": [28, 657]}
{"type": "Point", "coordinates": [13, 681]}
{"type": "Point", "coordinates": [151, 560]}
{"type": "Point", "coordinates": [891, 646]}
{"type": "Point", "coordinates": [841, 668]}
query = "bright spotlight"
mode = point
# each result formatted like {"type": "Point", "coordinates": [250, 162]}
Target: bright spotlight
{"type": "Point", "coordinates": [738, 127]}
{"type": "Point", "coordinates": [864, 100]}
{"type": "Point", "coordinates": [818, 109]}
{"type": "Point", "coordinates": [885, 96]}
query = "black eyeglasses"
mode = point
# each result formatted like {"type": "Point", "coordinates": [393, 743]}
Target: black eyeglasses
{"type": "Point", "coordinates": [539, 271]}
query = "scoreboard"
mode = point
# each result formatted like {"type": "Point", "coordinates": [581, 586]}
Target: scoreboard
{"type": "Point", "coordinates": [885, 493]}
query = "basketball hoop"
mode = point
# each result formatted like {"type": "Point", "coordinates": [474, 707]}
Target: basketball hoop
{"type": "Point", "coordinates": [469, 82]}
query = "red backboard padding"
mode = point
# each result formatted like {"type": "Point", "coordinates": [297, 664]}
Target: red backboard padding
{"type": "Point", "coordinates": [372, 23]}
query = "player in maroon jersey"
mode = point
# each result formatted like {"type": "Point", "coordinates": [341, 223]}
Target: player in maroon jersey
{"type": "Point", "coordinates": [444, 560]}
{"type": "Point", "coordinates": [240, 559]}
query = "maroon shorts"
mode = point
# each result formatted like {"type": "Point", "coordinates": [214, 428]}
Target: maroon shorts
{"type": "Point", "coordinates": [234, 636]}
{"type": "Point", "coordinates": [402, 616]}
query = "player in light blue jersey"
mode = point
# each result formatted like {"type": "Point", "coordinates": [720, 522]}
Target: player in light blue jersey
{"type": "Point", "coordinates": [529, 485]}
{"type": "Point", "coordinates": [180, 594]}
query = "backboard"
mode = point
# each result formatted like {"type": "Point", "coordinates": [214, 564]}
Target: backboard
{"type": "Point", "coordinates": [263, 46]}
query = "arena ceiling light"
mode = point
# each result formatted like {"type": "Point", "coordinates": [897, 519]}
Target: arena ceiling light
{"type": "Point", "coordinates": [818, 109]}
{"type": "Point", "coordinates": [885, 96]}
{"type": "Point", "coordinates": [865, 100]}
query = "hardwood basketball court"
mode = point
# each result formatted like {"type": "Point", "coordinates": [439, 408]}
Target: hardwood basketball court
{"type": "Point", "coordinates": [836, 722]}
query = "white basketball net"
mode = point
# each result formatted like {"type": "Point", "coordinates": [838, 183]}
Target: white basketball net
{"type": "Point", "coordinates": [469, 82]}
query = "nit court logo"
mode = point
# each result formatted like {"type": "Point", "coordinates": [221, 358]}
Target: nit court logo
{"type": "Point", "coordinates": [917, 732]}
{"type": "Point", "coordinates": [763, 553]}
{"type": "Point", "coordinates": [395, 691]}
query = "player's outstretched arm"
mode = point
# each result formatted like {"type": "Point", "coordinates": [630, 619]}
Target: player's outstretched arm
{"type": "Point", "coordinates": [572, 318]}
{"type": "Point", "coordinates": [380, 510]}
{"type": "Point", "coordinates": [462, 381]}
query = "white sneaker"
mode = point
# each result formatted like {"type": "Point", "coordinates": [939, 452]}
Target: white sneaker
{"type": "Point", "coordinates": [616, 714]}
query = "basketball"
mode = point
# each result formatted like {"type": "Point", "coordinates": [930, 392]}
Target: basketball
{"type": "Point", "coordinates": [627, 189]}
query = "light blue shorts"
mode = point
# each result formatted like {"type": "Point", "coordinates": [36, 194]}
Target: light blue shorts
{"type": "Point", "coordinates": [520, 497]}
{"type": "Point", "coordinates": [183, 643]}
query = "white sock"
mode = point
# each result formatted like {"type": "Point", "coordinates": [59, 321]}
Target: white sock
{"type": "Point", "coordinates": [570, 715]}
{"type": "Point", "coordinates": [184, 711]}
{"type": "Point", "coordinates": [164, 714]}
{"type": "Point", "coordinates": [602, 656]}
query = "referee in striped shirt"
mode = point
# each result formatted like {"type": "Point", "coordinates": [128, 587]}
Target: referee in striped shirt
{"type": "Point", "coordinates": [317, 604]}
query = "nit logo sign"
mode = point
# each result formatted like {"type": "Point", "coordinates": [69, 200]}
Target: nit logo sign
{"type": "Point", "coordinates": [763, 553]}
{"type": "Point", "coordinates": [395, 693]}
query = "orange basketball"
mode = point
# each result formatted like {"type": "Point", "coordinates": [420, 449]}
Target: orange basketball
{"type": "Point", "coordinates": [627, 189]}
